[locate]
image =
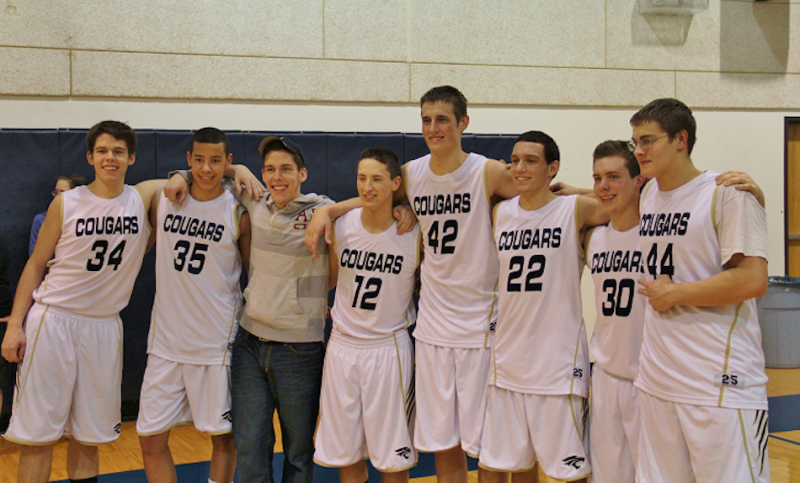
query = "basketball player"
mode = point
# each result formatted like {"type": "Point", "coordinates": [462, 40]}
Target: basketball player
{"type": "Point", "coordinates": [536, 409]}
{"type": "Point", "coordinates": [615, 262]}
{"type": "Point", "coordinates": [367, 401]}
{"type": "Point", "coordinates": [198, 264]}
{"type": "Point", "coordinates": [703, 401]}
{"type": "Point", "coordinates": [71, 345]}
{"type": "Point", "coordinates": [450, 192]}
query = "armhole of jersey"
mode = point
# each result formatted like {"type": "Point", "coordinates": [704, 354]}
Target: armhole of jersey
{"type": "Point", "coordinates": [586, 242]}
{"type": "Point", "coordinates": [404, 176]}
{"type": "Point", "coordinates": [645, 189]}
{"type": "Point", "coordinates": [147, 213]}
{"type": "Point", "coordinates": [332, 250]}
{"type": "Point", "coordinates": [419, 247]}
{"type": "Point", "coordinates": [486, 181]}
{"type": "Point", "coordinates": [238, 211]}
{"type": "Point", "coordinates": [581, 250]}
{"type": "Point", "coordinates": [494, 217]}
{"type": "Point", "coordinates": [714, 219]}
{"type": "Point", "coordinates": [63, 201]}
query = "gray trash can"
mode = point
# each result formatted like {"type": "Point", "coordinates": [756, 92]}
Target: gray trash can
{"type": "Point", "coordinates": [779, 316]}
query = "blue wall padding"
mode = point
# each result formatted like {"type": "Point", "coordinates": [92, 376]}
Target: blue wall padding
{"type": "Point", "coordinates": [32, 160]}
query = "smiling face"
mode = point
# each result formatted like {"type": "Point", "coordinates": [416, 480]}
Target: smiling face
{"type": "Point", "coordinates": [614, 187]}
{"type": "Point", "coordinates": [208, 162]}
{"type": "Point", "coordinates": [282, 177]}
{"type": "Point", "coordinates": [110, 158]}
{"type": "Point", "coordinates": [441, 130]}
{"type": "Point", "coordinates": [375, 184]}
{"type": "Point", "coordinates": [529, 168]}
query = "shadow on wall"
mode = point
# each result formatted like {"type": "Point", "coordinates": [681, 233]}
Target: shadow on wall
{"type": "Point", "coordinates": [754, 37]}
{"type": "Point", "coordinates": [659, 29]}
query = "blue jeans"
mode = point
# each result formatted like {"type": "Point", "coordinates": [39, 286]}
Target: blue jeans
{"type": "Point", "coordinates": [265, 376]}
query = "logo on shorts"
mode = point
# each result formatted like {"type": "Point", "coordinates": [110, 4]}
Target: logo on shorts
{"type": "Point", "coordinates": [227, 416]}
{"type": "Point", "coordinates": [492, 326]}
{"type": "Point", "coordinates": [229, 345]}
{"type": "Point", "coordinates": [577, 372]}
{"type": "Point", "coordinates": [574, 461]}
{"type": "Point", "coordinates": [404, 452]}
{"type": "Point", "coordinates": [118, 428]}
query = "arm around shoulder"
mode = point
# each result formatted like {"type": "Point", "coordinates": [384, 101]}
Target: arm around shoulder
{"type": "Point", "coordinates": [245, 235]}
{"type": "Point", "coordinates": [589, 212]}
{"type": "Point", "coordinates": [499, 179]}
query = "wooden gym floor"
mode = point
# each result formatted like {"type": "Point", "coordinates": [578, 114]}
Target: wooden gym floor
{"type": "Point", "coordinates": [190, 446]}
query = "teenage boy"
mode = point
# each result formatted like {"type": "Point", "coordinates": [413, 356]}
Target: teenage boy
{"type": "Point", "coordinates": [536, 409]}
{"type": "Point", "coordinates": [201, 247]}
{"type": "Point", "coordinates": [450, 192]}
{"type": "Point", "coordinates": [703, 400]}
{"type": "Point", "coordinates": [70, 347]}
{"type": "Point", "coordinates": [367, 402]}
{"type": "Point", "coordinates": [615, 262]}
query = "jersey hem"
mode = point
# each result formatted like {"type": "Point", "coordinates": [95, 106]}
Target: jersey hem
{"type": "Point", "coordinates": [482, 343]}
{"type": "Point", "coordinates": [712, 401]}
{"type": "Point", "coordinates": [191, 362]}
{"type": "Point", "coordinates": [540, 392]}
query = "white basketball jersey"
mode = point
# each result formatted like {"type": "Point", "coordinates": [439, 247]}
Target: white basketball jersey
{"type": "Point", "coordinates": [376, 279]}
{"type": "Point", "coordinates": [458, 299]}
{"type": "Point", "coordinates": [197, 280]}
{"type": "Point", "coordinates": [540, 346]}
{"type": "Point", "coordinates": [707, 356]}
{"type": "Point", "coordinates": [99, 253]}
{"type": "Point", "coordinates": [616, 263]}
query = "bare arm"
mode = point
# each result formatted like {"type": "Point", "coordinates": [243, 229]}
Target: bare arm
{"type": "Point", "coordinates": [563, 189]}
{"type": "Point", "coordinates": [14, 343]}
{"type": "Point", "coordinates": [153, 219]}
{"type": "Point", "coordinates": [333, 274]}
{"type": "Point", "coordinates": [745, 279]}
{"type": "Point", "coordinates": [589, 213]}
{"type": "Point", "coordinates": [242, 175]}
{"type": "Point", "coordinates": [177, 187]}
{"type": "Point", "coordinates": [500, 181]}
{"type": "Point", "coordinates": [322, 221]}
{"type": "Point", "coordinates": [244, 240]}
{"type": "Point", "coordinates": [149, 191]}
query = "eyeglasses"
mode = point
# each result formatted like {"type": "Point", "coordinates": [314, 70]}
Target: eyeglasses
{"type": "Point", "coordinates": [645, 143]}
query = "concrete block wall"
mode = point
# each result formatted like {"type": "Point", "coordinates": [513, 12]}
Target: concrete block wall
{"type": "Point", "coordinates": [595, 53]}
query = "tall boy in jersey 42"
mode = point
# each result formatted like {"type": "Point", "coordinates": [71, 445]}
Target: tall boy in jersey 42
{"type": "Point", "coordinates": [201, 248]}
{"type": "Point", "coordinates": [450, 192]}
{"type": "Point", "coordinates": [536, 408]}
{"type": "Point", "coordinates": [702, 383]}
{"type": "Point", "coordinates": [367, 402]}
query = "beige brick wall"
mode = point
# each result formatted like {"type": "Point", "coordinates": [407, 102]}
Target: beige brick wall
{"type": "Point", "coordinates": [586, 53]}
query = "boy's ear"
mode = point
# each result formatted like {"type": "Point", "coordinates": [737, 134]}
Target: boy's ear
{"type": "Point", "coordinates": [303, 175]}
